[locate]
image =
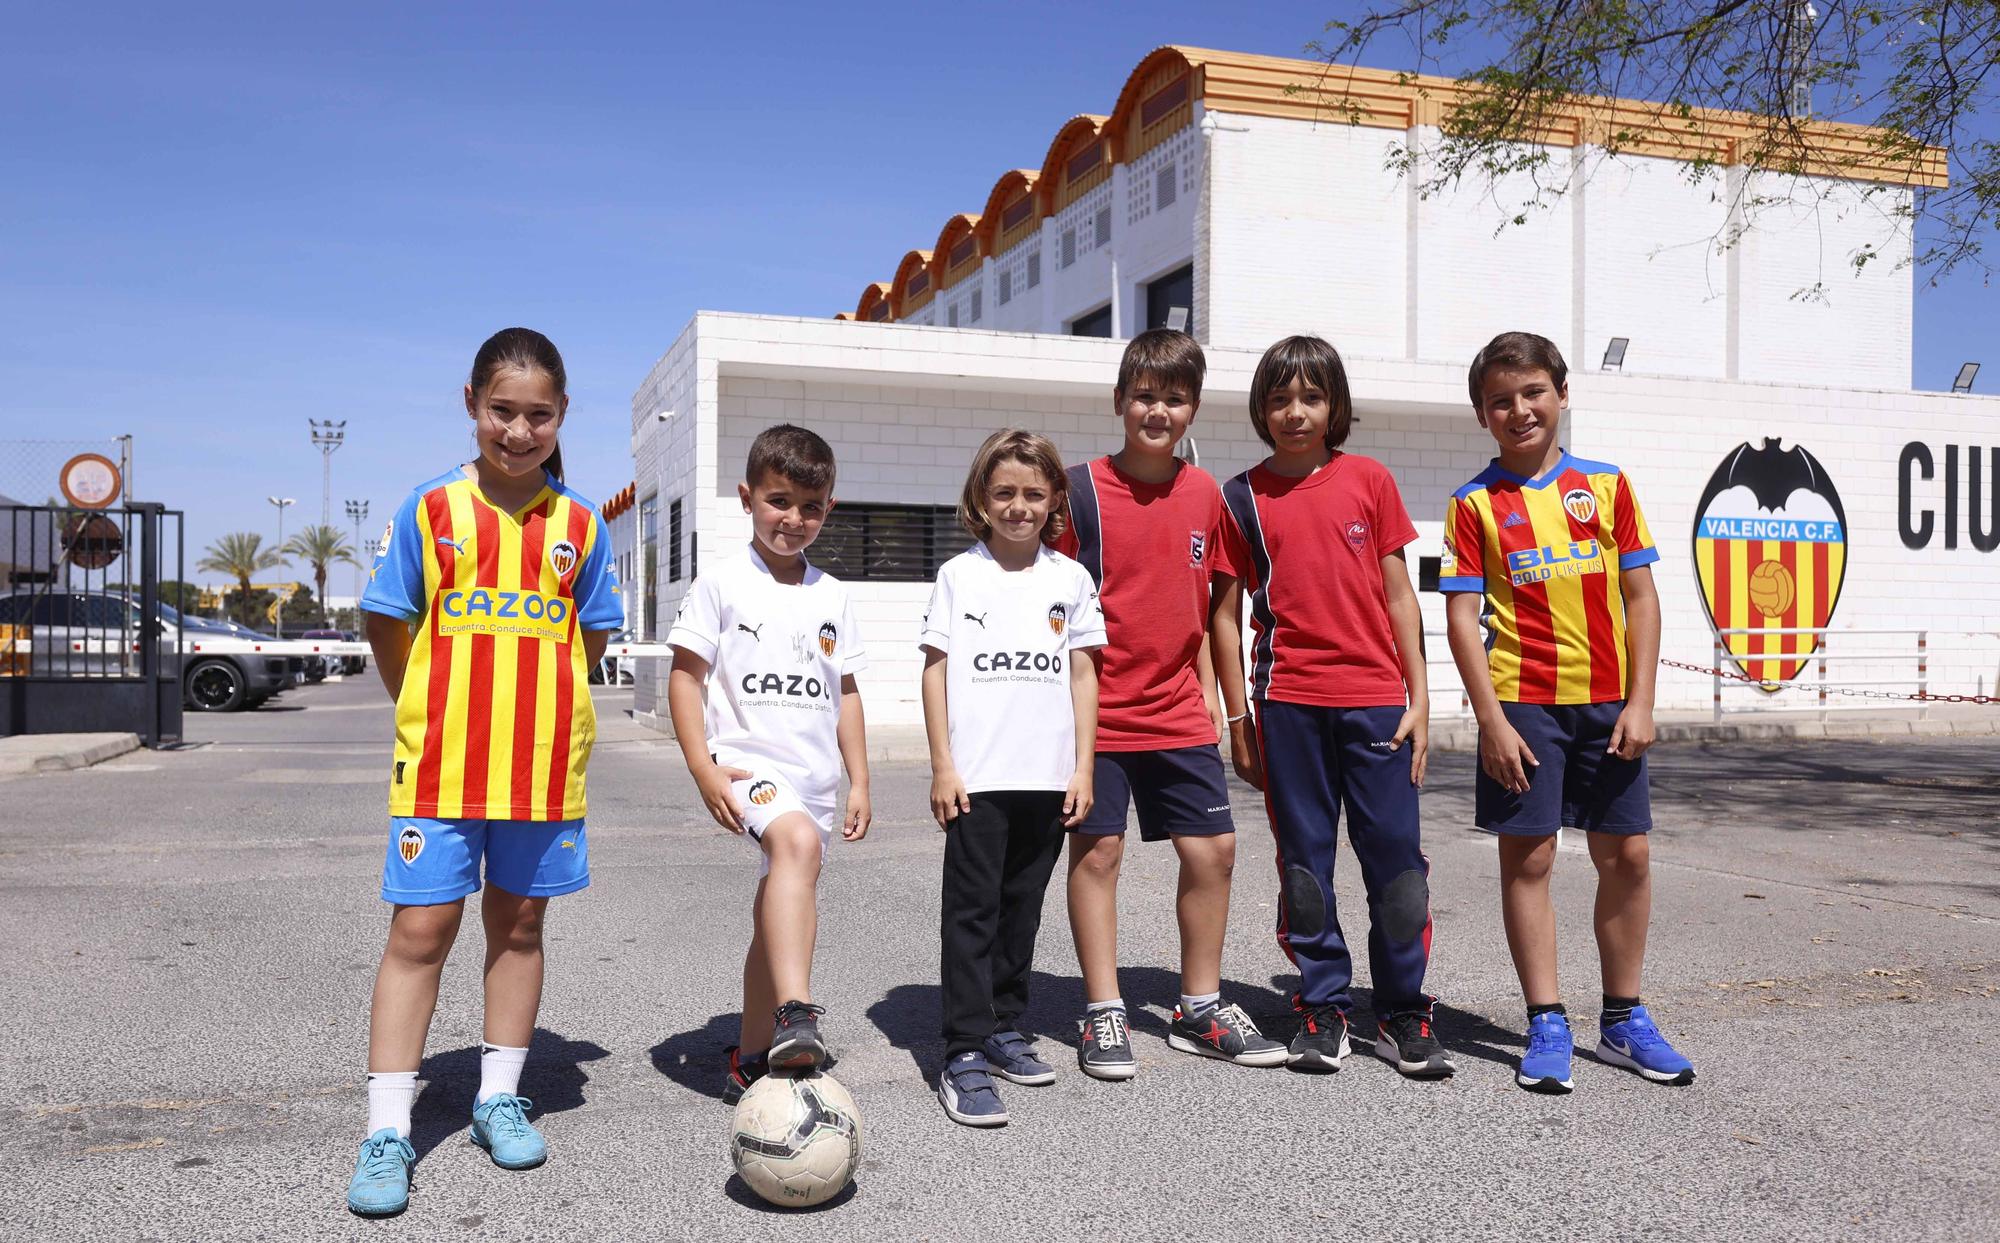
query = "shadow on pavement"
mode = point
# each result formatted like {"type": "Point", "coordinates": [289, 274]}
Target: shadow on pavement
{"type": "Point", "coordinates": [697, 1060]}
{"type": "Point", "coordinates": [736, 1189]}
{"type": "Point", "coordinates": [553, 1079]}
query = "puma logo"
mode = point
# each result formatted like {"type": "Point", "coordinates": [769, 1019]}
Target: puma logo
{"type": "Point", "coordinates": [456, 545]}
{"type": "Point", "coordinates": [752, 633]}
{"type": "Point", "coordinates": [981, 619]}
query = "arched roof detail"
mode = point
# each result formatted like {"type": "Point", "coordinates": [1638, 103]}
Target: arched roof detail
{"type": "Point", "coordinates": [997, 231]}
{"type": "Point", "coordinates": [875, 295]}
{"type": "Point", "coordinates": [1060, 181]}
{"type": "Point", "coordinates": [957, 249]}
{"type": "Point", "coordinates": [1157, 100]}
{"type": "Point", "coordinates": [915, 268]}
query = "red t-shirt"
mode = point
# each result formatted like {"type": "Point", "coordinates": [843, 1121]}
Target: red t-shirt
{"type": "Point", "coordinates": [1148, 547]}
{"type": "Point", "coordinates": [1309, 553]}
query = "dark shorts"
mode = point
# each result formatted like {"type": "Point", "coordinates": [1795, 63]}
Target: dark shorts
{"type": "Point", "coordinates": [1179, 793]}
{"type": "Point", "coordinates": [1578, 784]}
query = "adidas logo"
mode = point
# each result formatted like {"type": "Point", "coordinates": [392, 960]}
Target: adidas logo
{"type": "Point", "coordinates": [1514, 520]}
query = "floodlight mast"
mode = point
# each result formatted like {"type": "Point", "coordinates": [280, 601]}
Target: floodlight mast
{"type": "Point", "coordinates": [327, 435]}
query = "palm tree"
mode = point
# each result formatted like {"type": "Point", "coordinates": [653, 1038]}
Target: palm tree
{"type": "Point", "coordinates": [240, 555]}
{"type": "Point", "coordinates": [320, 547]}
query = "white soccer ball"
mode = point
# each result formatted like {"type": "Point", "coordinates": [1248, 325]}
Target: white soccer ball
{"type": "Point", "coordinates": [796, 1138]}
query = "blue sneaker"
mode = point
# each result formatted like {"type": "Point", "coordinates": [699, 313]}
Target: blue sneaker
{"type": "Point", "coordinates": [1010, 1056]}
{"type": "Point", "coordinates": [1545, 1066]}
{"type": "Point", "coordinates": [1638, 1045]}
{"type": "Point", "coordinates": [966, 1091]}
{"type": "Point", "coordinates": [381, 1183]}
{"type": "Point", "coordinates": [500, 1126]}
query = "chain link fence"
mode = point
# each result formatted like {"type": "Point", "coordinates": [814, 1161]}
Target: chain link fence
{"type": "Point", "coordinates": [31, 470]}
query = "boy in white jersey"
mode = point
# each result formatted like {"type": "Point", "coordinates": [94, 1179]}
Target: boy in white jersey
{"type": "Point", "coordinates": [765, 707]}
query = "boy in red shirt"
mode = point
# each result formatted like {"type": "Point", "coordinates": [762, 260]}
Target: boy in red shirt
{"type": "Point", "coordinates": [1338, 685]}
{"type": "Point", "coordinates": [1144, 524]}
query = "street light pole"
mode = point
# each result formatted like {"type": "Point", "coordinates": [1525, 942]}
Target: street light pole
{"type": "Point", "coordinates": [327, 436]}
{"type": "Point", "coordinates": [357, 512]}
{"type": "Point", "coordinates": [281, 502]}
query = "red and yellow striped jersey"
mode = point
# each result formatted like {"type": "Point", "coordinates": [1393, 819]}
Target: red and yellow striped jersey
{"type": "Point", "coordinates": [494, 720]}
{"type": "Point", "coordinates": [1547, 553]}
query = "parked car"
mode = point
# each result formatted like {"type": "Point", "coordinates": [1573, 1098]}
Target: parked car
{"type": "Point", "coordinates": [616, 670]}
{"type": "Point", "coordinates": [349, 665]}
{"type": "Point", "coordinates": [210, 682]}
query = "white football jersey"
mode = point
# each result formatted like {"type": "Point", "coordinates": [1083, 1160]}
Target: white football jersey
{"type": "Point", "coordinates": [776, 654]}
{"type": "Point", "coordinates": [1008, 639]}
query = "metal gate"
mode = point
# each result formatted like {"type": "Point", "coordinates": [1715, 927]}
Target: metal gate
{"type": "Point", "coordinates": [87, 643]}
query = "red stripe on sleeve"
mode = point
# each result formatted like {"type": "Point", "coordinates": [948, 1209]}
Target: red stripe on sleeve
{"type": "Point", "coordinates": [565, 657]}
{"type": "Point", "coordinates": [479, 686]}
{"type": "Point", "coordinates": [1532, 619]}
{"type": "Point", "coordinates": [430, 764]}
{"type": "Point", "coordinates": [527, 677]}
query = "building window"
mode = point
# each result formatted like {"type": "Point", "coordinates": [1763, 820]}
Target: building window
{"type": "Point", "coordinates": [1066, 253]}
{"type": "Point", "coordinates": [674, 542]}
{"type": "Point", "coordinates": [649, 556]}
{"type": "Point", "coordinates": [1163, 188]}
{"type": "Point", "coordinates": [889, 543]}
{"type": "Point", "coordinates": [1095, 324]}
{"type": "Point", "coordinates": [1034, 269]}
{"type": "Point", "coordinates": [1006, 286]}
{"type": "Point", "coordinates": [978, 296]}
{"type": "Point", "coordinates": [951, 316]}
{"type": "Point", "coordinates": [1175, 289]}
{"type": "Point", "coordinates": [1427, 573]}
{"type": "Point", "coordinates": [1103, 232]}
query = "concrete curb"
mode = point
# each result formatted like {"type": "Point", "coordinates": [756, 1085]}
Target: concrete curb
{"type": "Point", "coordinates": [55, 753]}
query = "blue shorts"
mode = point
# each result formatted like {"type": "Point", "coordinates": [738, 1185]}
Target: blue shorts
{"type": "Point", "coordinates": [431, 862]}
{"type": "Point", "coordinates": [1180, 792]}
{"type": "Point", "coordinates": [1577, 784]}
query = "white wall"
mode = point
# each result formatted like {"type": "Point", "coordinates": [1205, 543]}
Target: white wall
{"type": "Point", "coordinates": [1653, 269]}
{"type": "Point", "coordinates": [1086, 284]}
{"type": "Point", "coordinates": [667, 457]}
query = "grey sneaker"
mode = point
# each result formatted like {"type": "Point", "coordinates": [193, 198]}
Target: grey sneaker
{"type": "Point", "coordinates": [1011, 1056]}
{"type": "Point", "coordinates": [1227, 1033]}
{"type": "Point", "coordinates": [1104, 1046]}
{"type": "Point", "coordinates": [966, 1091]}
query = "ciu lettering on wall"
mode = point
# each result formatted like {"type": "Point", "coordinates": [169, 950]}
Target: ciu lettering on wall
{"type": "Point", "coordinates": [1770, 552]}
{"type": "Point", "coordinates": [1948, 492]}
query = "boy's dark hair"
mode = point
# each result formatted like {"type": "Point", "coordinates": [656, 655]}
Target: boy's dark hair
{"type": "Point", "coordinates": [521, 349]}
{"type": "Point", "coordinates": [1320, 364]}
{"type": "Point", "coordinates": [1168, 357]}
{"type": "Point", "coordinates": [1522, 351]}
{"type": "Point", "coordinates": [1011, 444]}
{"type": "Point", "coordinates": [793, 452]}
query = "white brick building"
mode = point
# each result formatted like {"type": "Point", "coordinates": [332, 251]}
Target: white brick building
{"type": "Point", "coordinates": [1263, 210]}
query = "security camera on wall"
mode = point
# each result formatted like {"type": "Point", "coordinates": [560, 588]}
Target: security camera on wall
{"type": "Point", "coordinates": [663, 415]}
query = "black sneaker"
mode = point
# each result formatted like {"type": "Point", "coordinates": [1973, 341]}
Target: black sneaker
{"type": "Point", "coordinates": [795, 1040]}
{"type": "Point", "coordinates": [1321, 1042]}
{"type": "Point", "coordinates": [1407, 1042]}
{"type": "Point", "coordinates": [1104, 1046]}
{"type": "Point", "coordinates": [743, 1071]}
{"type": "Point", "coordinates": [1224, 1032]}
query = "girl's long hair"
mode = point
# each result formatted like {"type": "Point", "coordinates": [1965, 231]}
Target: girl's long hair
{"type": "Point", "coordinates": [521, 349]}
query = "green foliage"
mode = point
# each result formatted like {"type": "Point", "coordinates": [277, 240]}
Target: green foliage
{"type": "Point", "coordinates": [319, 547]}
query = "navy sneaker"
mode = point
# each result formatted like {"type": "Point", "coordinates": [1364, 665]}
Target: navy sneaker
{"type": "Point", "coordinates": [1407, 1042]}
{"type": "Point", "coordinates": [795, 1038]}
{"type": "Point", "coordinates": [743, 1071]}
{"type": "Point", "coordinates": [1227, 1033]}
{"type": "Point", "coordinates": [501, 1127]}
{"type": "Point", "coordinates": [1104, 1045]}
{"type": "Point", "coordinates": [1545, 1066]}
{"type": "Point", "coordinates": [1011, 1056]}
{"type": "Point", "coordinates": [1637, 1045]}
{"type": "Point", "coordinates": [966, 1091]}
{"type": "Point", "coordinates": [1321, 1042]}
{"type": "Point", "coordinates": [381, 1183]}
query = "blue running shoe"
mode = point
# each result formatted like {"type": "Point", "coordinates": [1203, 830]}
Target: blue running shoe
{"type": "Point", "coordinates": [1011, 1056]}
{"type": "Point", "coordinates": [381, 1183]}
{"type": "Point", "coordinates": [500, 1126]}
{"type": "Point", "coordinates": [1638, 1045]}
{"type": "Point", "coordinates": [1545, 1066]}
{"type": "Point", "coordinates": [966, 1091]}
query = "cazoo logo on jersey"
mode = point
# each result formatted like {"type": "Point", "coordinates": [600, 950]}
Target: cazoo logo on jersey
{"type": "Point", "coordinates": [485, 611]}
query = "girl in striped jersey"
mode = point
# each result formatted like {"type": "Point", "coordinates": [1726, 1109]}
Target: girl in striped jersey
{"type": "Point", "coordinates": [490, 600]}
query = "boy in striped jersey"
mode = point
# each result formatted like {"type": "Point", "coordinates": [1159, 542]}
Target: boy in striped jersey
{"type": "Point", "coordinates": [1557, 550]}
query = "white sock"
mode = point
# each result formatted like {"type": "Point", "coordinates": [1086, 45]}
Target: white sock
{"type": "Point", "coordinates": [1116, 1003]}
{"type": "Point", "coordinates": [390, 1095]}
{"type": "Point", "coordinates": [499, 1071]}
{"type": "Point", "coordinates": [1191, 1005]}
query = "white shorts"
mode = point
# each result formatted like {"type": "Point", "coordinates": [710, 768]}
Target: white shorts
{"type": "Point", "coordinates": [763, 797]}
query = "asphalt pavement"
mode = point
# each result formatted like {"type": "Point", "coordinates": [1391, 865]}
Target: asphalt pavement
{"type": "Point", "coordinates": [191, 936]}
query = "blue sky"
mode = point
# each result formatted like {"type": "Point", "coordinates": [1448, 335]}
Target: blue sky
{"type": "Point", "coordinates": [222, 220]}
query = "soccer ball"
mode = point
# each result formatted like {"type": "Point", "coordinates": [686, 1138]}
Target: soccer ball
{"type": "Point", "coordinates": [796, 1138]}
{"type": "Point", "coordinates": [1771, 588]}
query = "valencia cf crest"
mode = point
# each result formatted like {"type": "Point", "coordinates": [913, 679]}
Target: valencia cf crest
{"type": "Point", "coordinates": [828, 636]}
{"type": "Point", "coordinates": [762, 792]}
{"type": "Point", "coordinates": [562, 558]}
{"type": "Point", "coordinates": [410, 843]}
{"type": "Point", "coordinates": [1058, 618]}
{"type": "Point", "coordinates": [1581, 504]}
{"type": "Point", "coordinates": [1770, 550]}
